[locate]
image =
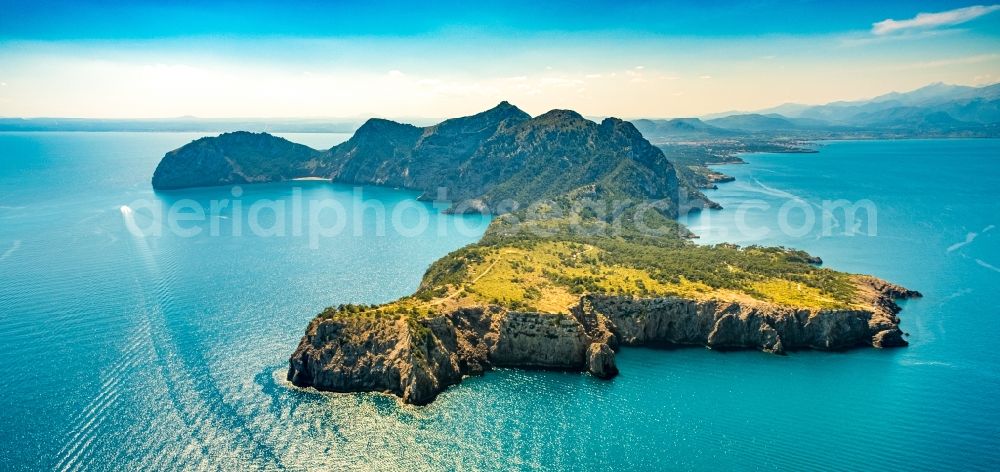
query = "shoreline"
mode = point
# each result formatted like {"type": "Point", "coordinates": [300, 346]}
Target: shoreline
{"type": "Point", "coordinates": [390, 355]}
{"type": "Point", "coordinates": [433, 353]}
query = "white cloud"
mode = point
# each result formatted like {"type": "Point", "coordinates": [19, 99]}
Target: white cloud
{"type": "Point", "coordinates": [933, 20]}
{"type": "Point", "coordinates": [705, 77]}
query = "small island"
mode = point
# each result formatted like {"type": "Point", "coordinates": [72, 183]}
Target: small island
{"type": "Point", "coordinates": [584, 256]}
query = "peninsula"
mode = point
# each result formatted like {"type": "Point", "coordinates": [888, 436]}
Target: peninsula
{"type": "Point", "coordinates": [584, 256]}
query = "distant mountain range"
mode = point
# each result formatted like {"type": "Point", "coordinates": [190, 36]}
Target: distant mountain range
{"type": "Point", "coordinates": [681, 127]}
{"type": "Point", "coordinates": [937, 110]}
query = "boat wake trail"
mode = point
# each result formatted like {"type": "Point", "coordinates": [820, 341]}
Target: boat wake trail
{"type": "Point", "coordinates": [14, 247]}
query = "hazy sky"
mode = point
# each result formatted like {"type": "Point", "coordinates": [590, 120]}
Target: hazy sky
{"type": "Point", "coordinates": [411, 59]}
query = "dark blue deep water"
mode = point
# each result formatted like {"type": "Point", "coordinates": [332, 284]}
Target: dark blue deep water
{"type": "Point", "coordinates": [131, 350]}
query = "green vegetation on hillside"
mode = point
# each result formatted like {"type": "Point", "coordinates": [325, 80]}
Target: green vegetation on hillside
{"type": "Point", "coordinates": [521, 268]}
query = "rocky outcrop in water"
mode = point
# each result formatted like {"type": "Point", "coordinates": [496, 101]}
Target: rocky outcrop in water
{"type": "Point", "coordinates": [416, 359]}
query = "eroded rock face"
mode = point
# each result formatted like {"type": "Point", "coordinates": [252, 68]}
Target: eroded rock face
{"type": "Point", "coordinates": [540, 340]}
{"type": "Point", "coordinates": [729, 325]}
{"type": "Point", "coordinates": [416, 360]}
{"type": "Point", "coordinates": [601, 361]}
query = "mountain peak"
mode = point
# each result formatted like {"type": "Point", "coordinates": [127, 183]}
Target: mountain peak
{"type": "Point", "coordinates": [379, 123]}
{"type": "Point", "coordinates": [481, 121]}
{"type": "Point", "coordinates": [505, 108]}
{"type": "Point", "coordinates": [559, 114]}
{"type": "Point", "coordinates": [383, 127]}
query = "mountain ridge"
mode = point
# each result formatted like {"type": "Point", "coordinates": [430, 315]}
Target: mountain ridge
{"type": "Point", "coordinates": [935, 110]}
{"type": "Point", "coordinates": [483, 161]}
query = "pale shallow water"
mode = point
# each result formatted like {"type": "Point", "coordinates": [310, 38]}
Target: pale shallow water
{"type": "Point", "coordinates": [169, 353]}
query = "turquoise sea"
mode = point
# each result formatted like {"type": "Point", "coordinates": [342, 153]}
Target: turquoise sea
{"type": "Point", "coordinates": [126, 351]}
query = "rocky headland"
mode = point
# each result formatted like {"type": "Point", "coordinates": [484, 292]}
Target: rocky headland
{"type": "Point", "coordinates": [416, 363]}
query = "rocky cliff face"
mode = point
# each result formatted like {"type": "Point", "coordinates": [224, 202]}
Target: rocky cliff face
{"type": "Point", "coordinates": [418, 362]}
{"type": "Point", "coordinates": [417, 359]}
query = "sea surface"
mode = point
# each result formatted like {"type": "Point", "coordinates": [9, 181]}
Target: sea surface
{"type": "Point", "coordinates": [123, 348]}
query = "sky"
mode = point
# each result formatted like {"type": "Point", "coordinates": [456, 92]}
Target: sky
{"type": "Point", "coordinates": [141, 59]}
